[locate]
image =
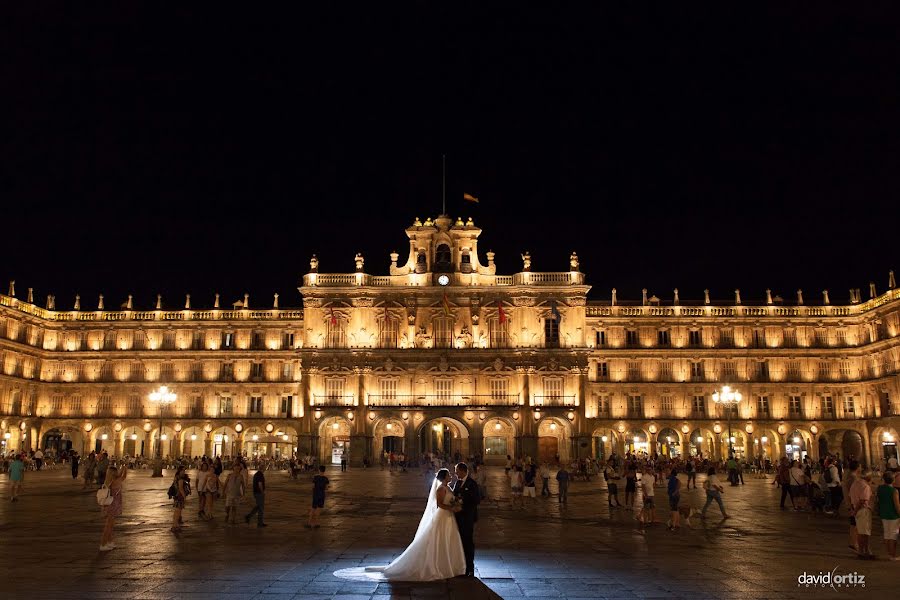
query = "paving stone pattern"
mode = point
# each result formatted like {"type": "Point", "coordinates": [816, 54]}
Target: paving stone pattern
{"type": "Point", "coordinates": [51, 538]}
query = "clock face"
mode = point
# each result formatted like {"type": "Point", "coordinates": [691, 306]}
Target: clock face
{"type": "Point", "coordinates": [444, 279]}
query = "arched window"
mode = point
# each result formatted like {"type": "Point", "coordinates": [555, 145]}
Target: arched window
{"type": "Point", "coordinates": [388, 329]}
{"type": "Point", "coordinates": [443, 261]}
{"type": "Point", "coordinates": [465, 264]}
{"type": "Point", "coordinates": [334, 334]}
{"type": "Point", "coordinates": [421, 262]}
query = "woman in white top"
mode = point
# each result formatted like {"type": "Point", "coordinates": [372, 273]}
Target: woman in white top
{"type": "Point", "coordinates": [516, 482]}
{"type": "Point", "coordinates": [713, 493]}
{"type": "Point", "coordinates": [202, 476]}
{"type": "Point", "coordinates": [798, 485]}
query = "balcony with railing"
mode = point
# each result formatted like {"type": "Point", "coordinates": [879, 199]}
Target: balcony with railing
{"type": "Point", "coordinates": [441, 400]}
{"type": "Point", "coordinates": [554, 400]}
{"type": "Point", "coordinates": [331, 400]}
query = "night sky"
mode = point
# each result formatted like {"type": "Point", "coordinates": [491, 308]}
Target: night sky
{"type": "Point", "coordinates": [202, 151]}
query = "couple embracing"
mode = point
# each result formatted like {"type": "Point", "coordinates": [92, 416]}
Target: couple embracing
{"type": "Point", "coordinates": [444, 544]}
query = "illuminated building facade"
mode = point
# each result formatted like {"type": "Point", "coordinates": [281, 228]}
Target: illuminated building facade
{"type": "Point", "coordinates": [443, 354]}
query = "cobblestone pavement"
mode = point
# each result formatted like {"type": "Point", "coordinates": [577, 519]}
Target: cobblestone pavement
{"type": "Point", "coordinates": [51, 537]}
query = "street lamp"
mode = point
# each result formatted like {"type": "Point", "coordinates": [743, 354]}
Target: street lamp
{"type": "Point", "coordinates": [729, 398]}
{"type": "Point", "coordinates": [161, 397]}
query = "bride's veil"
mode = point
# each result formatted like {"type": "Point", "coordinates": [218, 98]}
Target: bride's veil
{"type": "Point", "coordinates": [430, 508]}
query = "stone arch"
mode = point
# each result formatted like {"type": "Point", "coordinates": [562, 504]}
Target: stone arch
{"type": "Point", "coordinates": [603, 449]}
{"type": "Point", "coordinates": [703, 443]}
{"type": "Point", "coordinates": [554, 439]}
{"type": "Point", "coordinates": [443, 435]}
{"type": "Point", "coordinates": [499, 435]}
{"type": "Point", "coordinates": [225, 441]}
{"type": "Point", "coordinates": [884, 446]}
{"type": "Point", "coordinates": [768, 443]}
{"type": "Point", "coordinates": [637, 441]}
{"type": "Point", "coordinates": [103, 439]}
{"type": "Point", "coordinates": [193, 440]}
{"type": "Point", "coordinates": [389, 435]}
{"type": "Point", "coordinates": [669, 442]}
{"type": "Point", "coordinates": [798, 444]}
{"type": "Point", "coordinates": [334, 437]}
{"type": "Point", "coordinates": [63, 438]}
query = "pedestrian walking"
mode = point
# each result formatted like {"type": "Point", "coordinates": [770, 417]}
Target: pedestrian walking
{"type": "Point", "coordinates": [516, 483]}
{"type": "Point", "coordinates": [783, 479]}
{"type": "Point", "coordinates": [562, 479]}
{"type": "Point", "coordinates": [630, 485]}
{"type": "Point", "coordinates": [102, 466]}
{"type": "Point", "coordinates": [853, 470]}
{"type": "Point", "coordinates": [691, 471]}
{"type": "Point", "coordinates": [674, 490]}
{"type": "Point", "coordinates": [38, 459]}
{"type": "Point", "coordinates": [234, 490]}
{"type": "Point", "coordinates": [179, 496]}
{"type": "Point", "coordinates": [202, 475]}
{"type": "Point", "coordinates": [74, 459]}
{"type": "Point", "coordinates": [259, 495]}
{"type": "Point", "coordinates": [888, 501]}
{"type": "Point", "coordinates": [611, 475]}
{"type": "Point", "coordinates": [114, 480]}
{"type": "Point", "coordinates": [861, 501]}
{"type": "Point", "coordinates": [713, 493]}
{"type": "Point", "coordinates": [16, 476]}
{"type": "Point", "coordinates": [320, 484]}
{"type": "Point", "coordinates": [545, 479]}
{"type": "Point", "coordinates": [90, 466]}
{"type": "Point", "coordinates": [648, 510]}
{"type": "Point", "coordinates": [211, 490]}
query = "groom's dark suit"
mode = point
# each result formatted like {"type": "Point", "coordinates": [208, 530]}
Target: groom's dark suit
{"type": "Point", "coordinates": [465, 519]}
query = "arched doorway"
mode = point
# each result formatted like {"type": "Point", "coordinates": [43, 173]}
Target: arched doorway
{"type": "Point", "coordinates": [334, 433]}
{"type": "Point", "coordinates": [444, 436]}
{"type": "Point", "coordinates": [702, 443]}
{"type": "Point", "coordinates": [499, 440]}
{"type": "Point", "coordinates": [603, 443]}
{"type": "Point", "coordinates": [193, 441]}
{"type": "Point", "coordinates": [669, 443]}
{"type": "Point", "coordinates": [553, 438]}
{"type": "Point", "coordinates": [62, 439]}
{"type": "Point", "coordinates": [795, 447]}
{"type": "Point", "coordinates": [390, 436]}
{"type": "Point", "coordinates": [737, 444]}
{"type": "Point", "coordinates": [104, 440]}
{"type": "Point", "coordinates": [224, 442]}
{"type": "Point", "coordinates": [637, 442]}
{"type": "Point", "coordinates": [133, 441]}
{"type": "Point", "coordinates": [885, 439]}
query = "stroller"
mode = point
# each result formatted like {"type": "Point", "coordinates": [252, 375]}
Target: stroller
{"type": "Point", "coordinates": [816, 498]}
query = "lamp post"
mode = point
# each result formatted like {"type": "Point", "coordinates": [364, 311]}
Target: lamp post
{"type": "Point", "coordinates": [162, 397]}
{"type": "Point", "coordinates": [729, 398]}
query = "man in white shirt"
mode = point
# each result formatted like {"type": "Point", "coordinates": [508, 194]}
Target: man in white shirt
{"type": "Point", "coordinates": [833, 487]}
{"type": "Point", "coordinates": [893, 464]}
{"type": "Point", "coordinates": [648, 512]}
{"type": "Point", "coordinates": [39, 459]}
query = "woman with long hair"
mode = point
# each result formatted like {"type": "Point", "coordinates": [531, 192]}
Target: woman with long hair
{"type": "Point", "coordinates": [179, 497]}
{"type": "Point", "coordinates": [114, 479]}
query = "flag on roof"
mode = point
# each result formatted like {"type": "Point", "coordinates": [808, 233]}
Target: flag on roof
{"type": "Point", "coordinates": [333, 317]}
{"type": "Point", "coordinates": [446, 305]}
{"type": "Point", "coordinates": [470, 198]}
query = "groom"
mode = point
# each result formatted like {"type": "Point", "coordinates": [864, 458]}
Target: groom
{"type": "Point", "coordinates": [467, 490]}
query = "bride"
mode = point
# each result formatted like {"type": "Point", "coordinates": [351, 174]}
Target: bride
{"type": "Point", "coordinates": [436, 551]}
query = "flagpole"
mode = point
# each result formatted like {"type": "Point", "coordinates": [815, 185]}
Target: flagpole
{"type": "Point", "coordinates": [444, 183]}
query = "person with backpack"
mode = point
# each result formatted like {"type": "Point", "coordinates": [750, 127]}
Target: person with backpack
{"type": "Point", "coordinates": [835, 492]}
{"type": "Point", "coordinates": [179, 491]}
{"type": "Point", "coordinates": [109, 497]}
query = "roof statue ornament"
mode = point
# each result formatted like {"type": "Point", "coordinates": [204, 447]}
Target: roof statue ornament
{"type": "Point", "coordinates": [395, 256]}
{"type": "Point", "coordinates": [892, 283]}
{"type": "Point", "coordinates": [768, 296]}
{"type": "Point", "coordinates": [573, 262]}
{"type": "Point", "coordinates": [853, 299]}
{"type": "Point", "coordinates": [275, 303]}
{"type": "Point", "coordinates": [470, 222]}
{"type": "Point", "coordinates": [676, 297]}
{"type": "Point", "coordinates": [187, 302]}
{"type": "Point", "coordinates": [526, 261]}
{"type": "Point", "coordinates": [30, 295]}
{"type": "Point", "coordinates": [49, 302]}
{"type": "Point", "coordinates": [313, 264]}
{"type": "Point", "coordinates": [705, 296]}
{"type": "Point", "coordinates": [799, 297]}
{"type": "Point", "coordinates": [644, 296]}
{"type": "Point", "coordinates": [417, 222]}
{"type": "Point", "coordinates": [246, 301]}
{"type": "Point", "coordinates": [825, 299]}
{"type": "Point", "coordinates": [360, 261]}
{"type": "Point", "coordinates": [216, 303]}
{"type": "Point", "coordinates": [613, 301]}
{"type": "Point", "coordinates": [490, 256]}
{"type": "Point", "coordinates": [100, 303]}
{"type": "Point", "coordinates": [77, 302]}
{"type": "Point", "coordinates": [737, 297]}
{"type": "Point", "coordinates": [12, 288]}
{"type": "Point", "coordinates": [872, 292]}
{"type": "Point", "coordinates": [159, 302]}
{"type": "Point", "coordinates": [130, 304]}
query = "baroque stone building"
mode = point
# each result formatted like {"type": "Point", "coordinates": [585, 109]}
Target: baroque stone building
{"type": "Point", "coordinates": [443, 354]}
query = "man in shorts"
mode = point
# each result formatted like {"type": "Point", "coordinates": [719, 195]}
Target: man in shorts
{"type": "Point", "coordinates": [320, 484]}
{"type": "Point", "coordinates": [648, 512]}
{"type": "Point", "coordinates": [861, 501]}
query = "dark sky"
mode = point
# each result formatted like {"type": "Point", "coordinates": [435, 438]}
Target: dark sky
{"type": "Point", "coordinates": [202, 150]}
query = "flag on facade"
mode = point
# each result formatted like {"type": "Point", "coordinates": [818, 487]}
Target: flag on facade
{"type": "Point", "coordinates": [554, 312]}
{"type": "Point", "coordinates": [470, 198]}
{"type": "Point", "coordinates": [500, 312]}
{"type": "Point", "coordinates": [446, 305]}
{"type": "Point", "coordinates": [333, 317]}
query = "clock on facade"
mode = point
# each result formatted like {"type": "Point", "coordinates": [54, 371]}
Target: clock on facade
{"type": "Point", "coordinates": [444, 279]}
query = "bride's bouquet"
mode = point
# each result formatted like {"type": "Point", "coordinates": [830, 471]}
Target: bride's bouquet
{"type": "Point", "coordinates": [456, 502]}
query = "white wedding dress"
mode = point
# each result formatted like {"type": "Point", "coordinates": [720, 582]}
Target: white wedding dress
{"type": "Point", "coordinates": [436, 551]}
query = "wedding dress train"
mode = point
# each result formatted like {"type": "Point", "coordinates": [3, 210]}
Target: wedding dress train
{"type": "Point", "coordinates": [436, 551]}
